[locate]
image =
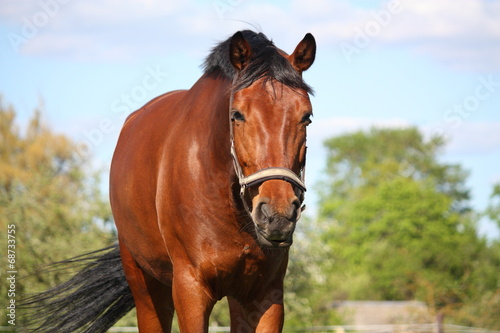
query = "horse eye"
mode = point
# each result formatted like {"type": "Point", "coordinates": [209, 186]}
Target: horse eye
{"type": "Point", "coordinates": [306, 119]}
{"type": "Point", "coordinates": [236, 115]}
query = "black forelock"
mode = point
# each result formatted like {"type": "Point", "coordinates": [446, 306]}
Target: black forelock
{"type": "Point", "coordinates": [266, 62]}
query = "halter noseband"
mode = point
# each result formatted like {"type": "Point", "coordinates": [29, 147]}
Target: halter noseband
{"type": "Point", "coordinates": [263, 175]}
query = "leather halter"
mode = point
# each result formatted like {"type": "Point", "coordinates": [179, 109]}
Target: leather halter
{"type": "Point", "coordinates": [263, 175]}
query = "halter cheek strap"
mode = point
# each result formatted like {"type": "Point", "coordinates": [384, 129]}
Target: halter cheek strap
{"type": "Point", "coordinates": [264, 174]}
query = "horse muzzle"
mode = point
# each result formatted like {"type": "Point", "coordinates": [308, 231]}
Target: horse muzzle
{"type": "Point", "coordinates": [273, 228]}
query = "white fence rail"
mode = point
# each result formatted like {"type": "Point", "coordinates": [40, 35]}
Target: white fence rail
{"type": "Point", "coordinates": [403, 328]}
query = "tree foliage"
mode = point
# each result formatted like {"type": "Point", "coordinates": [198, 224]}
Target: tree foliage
{"type": "Point", "coordinates": [398, 225]}
{"type": "Point", "coordinates": [50, 196]}
{"type": "Point", "coordinates": [493, 210]}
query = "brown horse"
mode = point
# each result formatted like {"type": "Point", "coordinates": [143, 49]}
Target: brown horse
{"type": "Point", "coordinates": [187, 237]}
{"type": "Point", "coordinates": [207, 186]}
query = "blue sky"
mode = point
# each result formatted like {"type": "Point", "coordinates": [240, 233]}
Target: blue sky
{"type": "Point", "coordinates": [432, 64]}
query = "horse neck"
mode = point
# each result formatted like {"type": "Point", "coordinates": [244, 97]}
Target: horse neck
{"type": "Point", "coordinates": [212, 106]}
{"type": "Point", "coordinates": [212, 109]}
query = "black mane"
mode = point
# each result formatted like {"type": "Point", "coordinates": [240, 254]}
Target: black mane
{"type": "Point", "coordinates": [266, 62]}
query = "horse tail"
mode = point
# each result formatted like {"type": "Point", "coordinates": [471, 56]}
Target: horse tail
{"type": "Point", "coordinates": [91, 301]}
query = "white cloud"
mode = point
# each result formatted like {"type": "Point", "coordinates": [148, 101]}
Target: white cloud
{"type": "Point", "coordinates": [475, 138]}
{"type": "Point", "coordinates": [468, 138]}
{"type": "Point", "coordinates": [111, 30]}
{"type": "Point", "coordinates": [462, 34]}
{"type": "Point", "coordinates": [338, 125]}
{"type": "Point", "coordinates": [12, 10]}
{"type": "Point", "coordinates": [323, 129]}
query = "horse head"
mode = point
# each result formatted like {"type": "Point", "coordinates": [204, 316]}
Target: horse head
{"type": "Point", "coordinates": [269, 113]}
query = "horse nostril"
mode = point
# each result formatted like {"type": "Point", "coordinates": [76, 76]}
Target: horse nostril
{"type": "Point", "coordinates": [294, 210]}
{"type": "Point", "coordinates": [267, 211]}
{"type": "Point", "coordinates": [263, 210]}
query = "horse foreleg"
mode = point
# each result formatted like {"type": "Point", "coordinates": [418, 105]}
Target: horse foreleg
{"type": "Point", "coordinates": [153, 299]}
{"type": "Point", "coordinates": [272, 319]}
{"type": "Point", "coordinates": [262, 315]}
{"type": "Point", "coordinates": [193, 302]}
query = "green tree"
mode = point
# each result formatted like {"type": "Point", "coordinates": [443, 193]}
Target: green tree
{"type": "Point", "coordinates": [493, 210]}
{"type": "Point", "coordinates": [363, 160]}
{"type": "Point", "coordinates": [483, 307]}
{"type": "Point", "coordinates": [49, 196]}
{"type": "Point", "coordinates": [304, 306]}
{"type": "Point", "coordinates": [398, 223]}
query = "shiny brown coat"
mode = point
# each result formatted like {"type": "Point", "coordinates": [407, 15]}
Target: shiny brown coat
{"type": "Point", "coordinates": [185, 237]}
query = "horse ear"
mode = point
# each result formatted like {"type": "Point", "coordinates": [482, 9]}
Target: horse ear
{"type": "Point", "coordinates": [239, 51]}
{"type": "Point", "coordinates": [303, 56]}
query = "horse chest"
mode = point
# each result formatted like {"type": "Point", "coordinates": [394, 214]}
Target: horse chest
{"type": "Point", "coordinates": [244, 270]}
